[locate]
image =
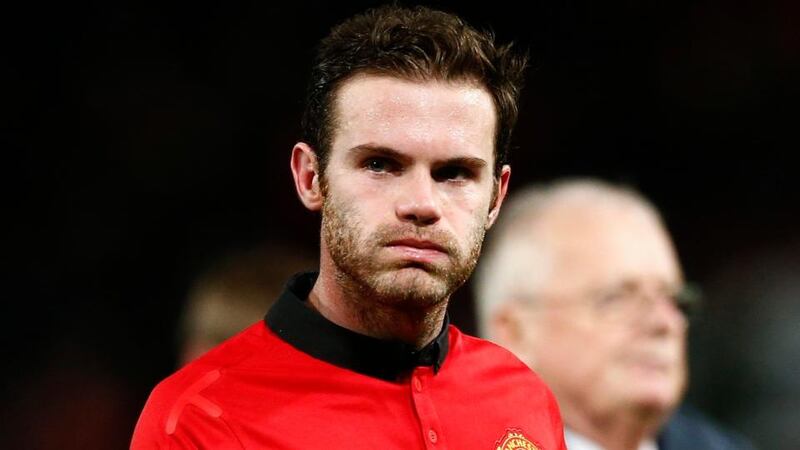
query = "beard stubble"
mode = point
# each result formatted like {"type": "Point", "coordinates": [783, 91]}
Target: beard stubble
{"type": "Point", "coordinates": [397, 284]}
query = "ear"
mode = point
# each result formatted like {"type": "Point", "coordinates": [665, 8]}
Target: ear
{"type": "Point", "coordinates": [305, 170]}
{"type": "Point", "coordinates": [501, 189]}
{"type": "Point", "coordinates": [511, 328]}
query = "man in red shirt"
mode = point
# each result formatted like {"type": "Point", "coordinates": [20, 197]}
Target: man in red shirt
{"type": "Point", "coordinates": [407, 126]}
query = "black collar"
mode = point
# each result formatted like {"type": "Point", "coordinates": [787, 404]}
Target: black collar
{"type": "Point", "coordinates": [310, 332]}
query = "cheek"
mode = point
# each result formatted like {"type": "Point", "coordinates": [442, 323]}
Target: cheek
{"type": "Point", "coordinates": [468, 208]}
{"type": "Point", "coordinates": [358, 196]}
{"type": "Point", "coordinates": [560, 344]}
{"type": "Point", "coordinates": [589, 349]}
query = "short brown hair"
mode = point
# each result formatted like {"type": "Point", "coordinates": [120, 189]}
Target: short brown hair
{"type": "Point", "coordinates": [415, 44]}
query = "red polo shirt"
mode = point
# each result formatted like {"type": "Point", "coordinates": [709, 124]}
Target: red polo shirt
{"type": "Point", "coordinates": [298, 381]}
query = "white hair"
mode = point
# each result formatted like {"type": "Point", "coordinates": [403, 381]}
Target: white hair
{"type": "Point", "coordinates": [518, 258]}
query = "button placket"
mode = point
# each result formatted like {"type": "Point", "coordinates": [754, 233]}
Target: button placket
{"type": "Point", "coordinates": [430, 427]}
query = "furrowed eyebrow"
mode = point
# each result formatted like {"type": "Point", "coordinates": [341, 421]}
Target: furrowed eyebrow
{"type": "Point", "coordinates": [379, 150]}
{"type": "Point", "coordinates": [465, 161]}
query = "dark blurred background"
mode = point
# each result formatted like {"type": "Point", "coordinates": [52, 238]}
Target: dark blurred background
{"type": "Point", "coordinates": [148, 139]}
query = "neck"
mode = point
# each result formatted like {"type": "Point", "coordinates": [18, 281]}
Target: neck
{"type": "Point", "coordinates": [346, 303]}
{"type": "Point", "coordinates": [620, 432]}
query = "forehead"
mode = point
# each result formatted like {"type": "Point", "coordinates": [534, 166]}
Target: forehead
{"type": "Point", "coordinates": [384, 110]}
{"type": "Point", "coordinates": [597, 247]}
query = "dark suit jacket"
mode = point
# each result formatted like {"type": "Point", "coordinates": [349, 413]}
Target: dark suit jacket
{"type": "Point", "coordinates": [688, 429]}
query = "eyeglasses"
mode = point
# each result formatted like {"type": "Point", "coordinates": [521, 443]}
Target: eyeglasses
{"type": "Point", "coordinates": [629, 301]}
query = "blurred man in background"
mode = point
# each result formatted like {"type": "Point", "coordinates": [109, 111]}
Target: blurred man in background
{"type": "Point", "coordinates": [582, 282]}
{"type": "Point", "coordinates": [234, 293]}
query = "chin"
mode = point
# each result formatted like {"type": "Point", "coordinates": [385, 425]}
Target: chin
{"type": "Point", "coordinates": [658, 382]}
{"type": "Point", "coordinates": [412, 286]}
{"type": "Point", "coordinates": [655, 396]}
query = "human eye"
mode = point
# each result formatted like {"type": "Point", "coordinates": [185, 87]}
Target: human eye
{"type": "Point", "coordinates": [378, 164]}
{"type": "Point", "coordinates": [453, 172]}
{"type": "Point", "coordinates": [612, 300]}
{"type": "Point", "coordinates": [620, 300]}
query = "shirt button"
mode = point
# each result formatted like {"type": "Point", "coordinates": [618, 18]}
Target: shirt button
{"type": "Point", "coordinates": [417, 384]}
{"type": "Point", "coordinates": [432, 436]}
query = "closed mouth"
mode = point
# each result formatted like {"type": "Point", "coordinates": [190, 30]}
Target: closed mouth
{"type": "Point", "coordinates": [417, 243]}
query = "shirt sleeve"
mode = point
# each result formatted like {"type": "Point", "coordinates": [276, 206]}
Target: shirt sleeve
{"type": "Point", "coordinates": [182, 426]}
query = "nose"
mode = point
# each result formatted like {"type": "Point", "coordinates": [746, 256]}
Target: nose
{"type": "Point", "coordinates": [663, 316]}
{"type": "Point", "coordinates": [418, 202]}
